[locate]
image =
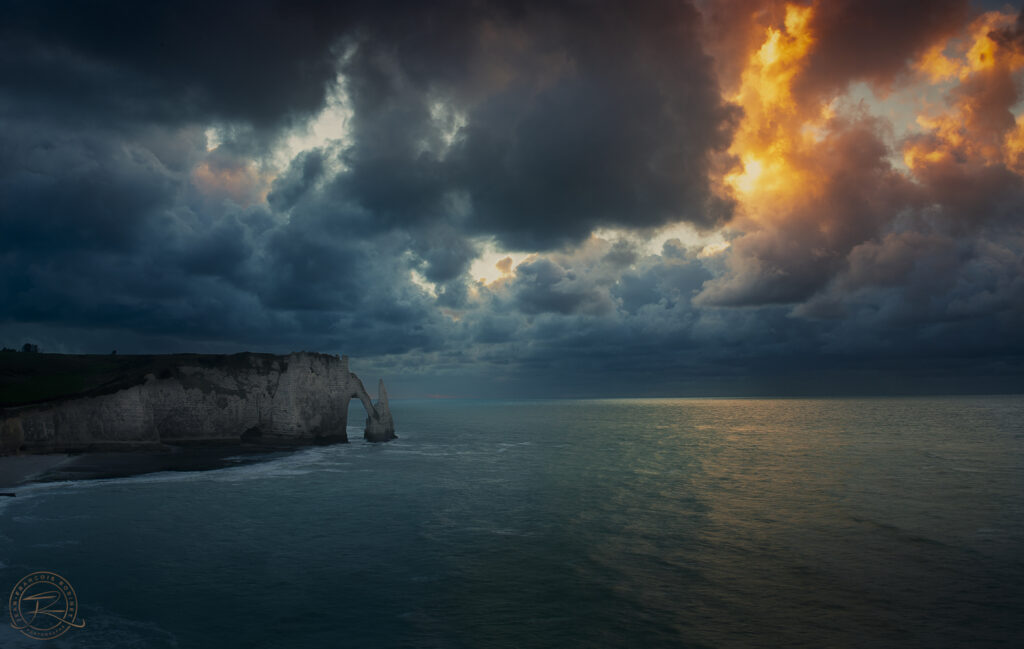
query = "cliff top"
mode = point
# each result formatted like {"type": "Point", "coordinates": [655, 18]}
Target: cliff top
{"type": "Point", "coordinates": [28, 378]}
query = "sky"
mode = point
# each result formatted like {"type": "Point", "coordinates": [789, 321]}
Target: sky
{"type": "Point", "coordinates": [523, 199]}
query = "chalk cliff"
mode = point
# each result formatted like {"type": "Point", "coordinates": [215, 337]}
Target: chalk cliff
{"type": "Point", "coordinates": [248, 398]}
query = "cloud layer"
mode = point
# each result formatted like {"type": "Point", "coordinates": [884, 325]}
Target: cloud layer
{"type": "Point", "coordinates": [720, 197]}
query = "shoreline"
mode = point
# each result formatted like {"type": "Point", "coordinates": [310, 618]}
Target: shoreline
{"type": "Point", "coordinates": [17, 470]}
{"type": "Point", "coordinates": [20, 470]}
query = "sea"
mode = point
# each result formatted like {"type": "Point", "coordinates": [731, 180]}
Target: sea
{"type": "Point", "coordinates": [636, 523]}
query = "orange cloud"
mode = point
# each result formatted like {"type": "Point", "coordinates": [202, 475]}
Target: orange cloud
{"type": "Point", "coordinates": [773, 133]}
{"type": "Point", "coordinates": [244, 183]}
{"type": "Point", "coordinates": [978, 126]}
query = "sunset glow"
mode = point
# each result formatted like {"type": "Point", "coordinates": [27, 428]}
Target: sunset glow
{"type": "Point", "coordinates": [773, 130]}
{"type": "Point", "coordinates": [784, 143]}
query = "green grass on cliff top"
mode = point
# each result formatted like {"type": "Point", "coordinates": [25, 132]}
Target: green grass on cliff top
{"type": "Point", "coordinates": [28, 378]}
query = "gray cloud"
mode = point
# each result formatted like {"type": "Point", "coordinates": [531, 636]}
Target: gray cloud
{"type": "Point", "coordinates": [525, 125]}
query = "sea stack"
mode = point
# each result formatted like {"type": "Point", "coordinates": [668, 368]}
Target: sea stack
{"type": "Point", "coordinates": [379, 425]}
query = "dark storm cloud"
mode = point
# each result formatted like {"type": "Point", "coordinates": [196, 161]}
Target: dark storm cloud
{"type": "Point", "coordinates": [302, 174]}
{"type": "Point", "coordinates": [866, 269]}
{"type": "Point", "coordinates": [674, 279]}
{"type": "Point", "coordinates": [873, 40]}
{"type": "Point", "coordinates": [111, 60]}
{"type": "Point", "coordinates": [543, 286]}
{"type": "Point", "coordinates": [532, 123]}
{"type": "Point", "coordinates": [529, 124]}
{"type": "Point", "coordinates": [575, 116]}
{"type": "Point", "coordinates": [62, 190]}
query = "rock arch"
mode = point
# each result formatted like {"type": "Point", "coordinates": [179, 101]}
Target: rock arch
{"type": "Point", "coordinates": [380, 427]}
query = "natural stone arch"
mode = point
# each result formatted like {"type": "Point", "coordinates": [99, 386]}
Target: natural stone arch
{"type": "Point", "coordinates": [380, 427]}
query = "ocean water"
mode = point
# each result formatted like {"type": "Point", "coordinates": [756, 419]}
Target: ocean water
{"type": "Point", "coordinates": [613, 523]}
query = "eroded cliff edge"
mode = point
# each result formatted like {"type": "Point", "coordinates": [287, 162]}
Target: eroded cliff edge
{"type": "Point", "coordinates": [248, 398]}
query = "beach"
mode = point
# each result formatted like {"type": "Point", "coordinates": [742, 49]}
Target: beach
{"type": "Point", "coordinates": [23, 469]}
{"type": "Point", "coordinates": [19, 469]}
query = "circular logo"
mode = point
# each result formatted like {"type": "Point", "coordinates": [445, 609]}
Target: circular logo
{"type": "Point", "coordinates": [43, 605]}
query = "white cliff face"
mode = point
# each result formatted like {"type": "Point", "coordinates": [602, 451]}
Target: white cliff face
{"type": "Point", "coordinates": [300, 398]}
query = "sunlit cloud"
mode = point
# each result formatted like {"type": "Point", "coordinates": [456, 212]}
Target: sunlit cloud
{"type": "Point", "coordinates": [330, 127]}
{"type": "Point", "coordinates": [245, 183]}
{"type": "Point", "coordinates": [495, 264]}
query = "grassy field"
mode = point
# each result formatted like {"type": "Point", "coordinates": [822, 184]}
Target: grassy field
{"type": "Point", "coordinates": [32, 377]}
{"type": "Point", "coordinates": [27, 378]}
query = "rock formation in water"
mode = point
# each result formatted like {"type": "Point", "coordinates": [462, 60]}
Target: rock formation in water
{"type": "Point", "coordinates": [247, 398]}
{"type": "Point", "coordinates": [379, 425]}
